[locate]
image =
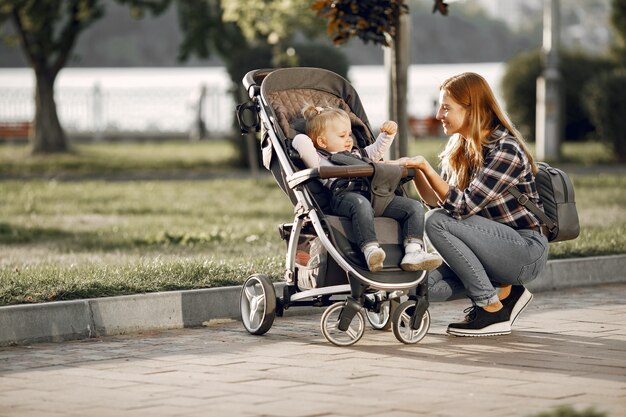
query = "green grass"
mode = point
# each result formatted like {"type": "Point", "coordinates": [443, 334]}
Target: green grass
{"type": "Point", "coordinates": [120, 159]}
{"type": "Point", "coordinates": [63, 240]}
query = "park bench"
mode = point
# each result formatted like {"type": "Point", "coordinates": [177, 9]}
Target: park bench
{"type": "Point", "coordinates": [12, 131]}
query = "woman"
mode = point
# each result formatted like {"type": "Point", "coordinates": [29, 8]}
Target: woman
{"type": "Point", "coordinates": [486, 238]}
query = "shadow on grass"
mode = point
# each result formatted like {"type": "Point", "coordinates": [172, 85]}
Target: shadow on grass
{"type": "Point", "coordinates": [11, 234]}
{"type": "Point", "coordinates": [86, 241]}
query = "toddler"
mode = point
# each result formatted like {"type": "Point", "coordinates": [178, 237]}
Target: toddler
{"type": "Point", "coordinates": [329, 131]}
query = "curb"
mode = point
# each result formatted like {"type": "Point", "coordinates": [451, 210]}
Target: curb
{"type": "Point", "coordinates": [81, 319]}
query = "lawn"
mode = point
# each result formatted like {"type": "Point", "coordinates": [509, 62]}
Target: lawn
{"type": "Point", "coordinates": [87, 237]}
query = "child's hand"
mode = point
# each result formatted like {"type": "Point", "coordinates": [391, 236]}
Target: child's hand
{"type": "Point", "coordinates": [390, 128]}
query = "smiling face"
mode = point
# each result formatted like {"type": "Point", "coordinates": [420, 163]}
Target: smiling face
{"type": "Point", "coordinates": [452, 115]}
{"type": "Point", "coordinates": [337, 135]}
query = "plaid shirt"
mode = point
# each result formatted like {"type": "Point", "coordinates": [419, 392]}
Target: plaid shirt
{"type": "Point", "coordinates": [505, 165]}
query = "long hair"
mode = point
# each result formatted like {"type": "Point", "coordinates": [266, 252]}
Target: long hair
{"type": "Point", "coordinates": [462, 157]}
{"type": "Point", "coordinates": [317, 118]}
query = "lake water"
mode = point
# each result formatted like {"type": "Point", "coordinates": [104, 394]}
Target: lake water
{"type": "Point", "coordinates": [163, 99]}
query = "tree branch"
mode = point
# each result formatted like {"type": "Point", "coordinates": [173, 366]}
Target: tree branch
{"type": "Point", "coordinates": [68, 37]}
{"type": "Point", "coordinates": [28, 48]}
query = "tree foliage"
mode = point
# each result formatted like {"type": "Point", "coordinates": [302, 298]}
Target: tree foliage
{"type": "Point", "coordinates": [369, 20]}
{"type": "Point", "coordinates": [47, 31]}
{"type": "Point", "coordinates": [604, 98]}
{"type": "Point", "coordinates": [618, 21]}
{"type": "Point", "coordinates": [280, 19]}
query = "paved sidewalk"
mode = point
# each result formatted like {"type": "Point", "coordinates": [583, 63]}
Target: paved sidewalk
{"type": "Point", "coordinates": [568, 347]}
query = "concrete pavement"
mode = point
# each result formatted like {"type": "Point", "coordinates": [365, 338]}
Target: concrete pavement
{"type": "Point", "coordinates": [568, 347]}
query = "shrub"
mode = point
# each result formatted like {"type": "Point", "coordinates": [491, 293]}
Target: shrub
{"type": "Point", "coordinates": [322, 56]}
{"type": "Point", "coordinates": [568, 411]}
{"type": "Point", "coordinates": [605, 102]}
{"type": "Point", "coordinates": [519, 89]}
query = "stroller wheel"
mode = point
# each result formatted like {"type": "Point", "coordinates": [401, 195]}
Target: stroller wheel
{"type": "Point", "coordinates": [257, 304]}
{"type": "Point", "coordinates": [402, 323]}
{"type": "Point", "coordinates": [380, 320]}
{"type": "Point", "coordinates": [330, 326]}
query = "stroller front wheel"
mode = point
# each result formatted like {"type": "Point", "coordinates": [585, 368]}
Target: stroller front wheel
{"type": "Point", "coordinates": [330, 326]}
{"type": "Point", "coordinates": [402, 317]}
{"type": "Point", "coordinates": [257, 304]}
{"type": "Point", "coordinates": [381, 319]}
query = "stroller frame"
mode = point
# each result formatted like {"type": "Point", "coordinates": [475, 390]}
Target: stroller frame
{"type": "Point", "coordinates": [394, 299]}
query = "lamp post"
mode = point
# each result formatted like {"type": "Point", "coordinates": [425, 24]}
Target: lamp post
{"type": "Point", "coordinates": [548, 123]}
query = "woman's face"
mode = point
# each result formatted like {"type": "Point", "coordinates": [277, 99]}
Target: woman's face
{"type": "Point", "coordinates": [452, 115]}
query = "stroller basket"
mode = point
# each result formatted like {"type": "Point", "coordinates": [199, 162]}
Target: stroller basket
{"type": "Point", "coordinates": [323, 265]}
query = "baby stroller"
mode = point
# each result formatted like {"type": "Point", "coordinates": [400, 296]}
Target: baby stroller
{"type": "Point", "coordinates": [324, 267]}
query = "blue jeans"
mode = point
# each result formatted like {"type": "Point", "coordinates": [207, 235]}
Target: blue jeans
{"type": "Point", "coordinates": [406, 211]}
{"type": "Point", "coordinates": [478, 253]}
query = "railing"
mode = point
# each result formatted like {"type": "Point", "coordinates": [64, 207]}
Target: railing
{"type": "Point", "coordinates": [100, 112]}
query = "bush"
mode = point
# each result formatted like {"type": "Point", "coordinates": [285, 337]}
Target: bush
{"type": "Point", "coordinates": [307, 55]}
{"type": "Point", "coordinates": [322, 56]}
{"type": "Point", "coordinates": [519, 89]}
{"type": "Point", "coordinates": [605, 102]}
{"type": "Point", "coordinates": [568, 411]}
{"type": "Point", "coordinates": [260, 56]}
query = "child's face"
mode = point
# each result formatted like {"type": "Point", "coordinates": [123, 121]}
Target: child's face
{"type": "Point", "coordinates": [337, 136]}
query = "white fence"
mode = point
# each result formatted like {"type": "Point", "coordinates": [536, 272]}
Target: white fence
{"type": "Point", "coordinates": [98, 110]}
{"type": "Point", "coordinates": [101, 101]}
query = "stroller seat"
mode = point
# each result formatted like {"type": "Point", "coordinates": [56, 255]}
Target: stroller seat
{"type": "Point", "coordinates": [277, 99]}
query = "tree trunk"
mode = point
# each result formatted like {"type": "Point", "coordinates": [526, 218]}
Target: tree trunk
{"type": "Point", "coordinates": [49, 136]}
{"type": "Point", "coordinates": [398, 59]}
{"type": "Point", "coordinates": [402, 58]}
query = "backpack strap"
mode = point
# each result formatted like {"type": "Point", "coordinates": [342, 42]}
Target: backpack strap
{"type": "Point", "coordinates": [533, 208]}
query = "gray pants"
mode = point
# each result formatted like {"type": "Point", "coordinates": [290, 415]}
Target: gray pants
{"type": "Point", "coordinates": [480, 253]}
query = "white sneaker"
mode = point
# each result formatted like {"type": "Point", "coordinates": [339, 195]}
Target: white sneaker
{"type": "Point", "coordinates": [420, 261]}
{"type": "Point", "coordinates": [374, 256]}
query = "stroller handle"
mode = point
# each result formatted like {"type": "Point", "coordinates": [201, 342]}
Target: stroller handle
{"type": "Point", "coordinates": [344, 171]}
{"type": "Point", "coordinates": [253, 79]}
{"type": "Point", "coordinates": [326, 172]}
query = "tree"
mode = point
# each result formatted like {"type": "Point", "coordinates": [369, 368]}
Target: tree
{"type": "Point", "coordinates": [47, 31]}
{"type": "Point", "coordinates": [381, 22]}
{"type": "Point", "coordinates": [247, 35]}
{"type": "Point", "coordinates": [618, 23]}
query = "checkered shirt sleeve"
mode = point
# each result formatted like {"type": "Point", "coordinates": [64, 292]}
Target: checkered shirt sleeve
{"type": "Point", "coordinates": [505, 166]}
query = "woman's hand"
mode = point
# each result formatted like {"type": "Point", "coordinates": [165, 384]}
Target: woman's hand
{"type": "Point", "coordinates": [418, 162]}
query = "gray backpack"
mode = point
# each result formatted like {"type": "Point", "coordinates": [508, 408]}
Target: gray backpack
{"type": "Point", "coordinates": [559, 205]}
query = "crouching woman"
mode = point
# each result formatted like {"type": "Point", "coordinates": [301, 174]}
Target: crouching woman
{"type": "Point", "coordinates": [491, 244]}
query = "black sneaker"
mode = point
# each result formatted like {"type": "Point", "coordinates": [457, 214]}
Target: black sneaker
{"type": "Point", "coordinates": [480, 322]}
{"type": "Point", "coordinates": [516, 301]}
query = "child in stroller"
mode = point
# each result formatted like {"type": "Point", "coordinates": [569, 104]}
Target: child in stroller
{"type": "Point", "coordinates": [328, 140]}
{"type": "Point", "coordinates": [340, 281]}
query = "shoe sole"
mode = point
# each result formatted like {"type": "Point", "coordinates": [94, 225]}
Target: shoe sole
{"type": "Point", "coordinates": [521, 304]}
{"type": "Point", "coordinates": [496, 329]}
{"type": "Point", "coordinates": [375, 263]}
{"type": "Point", "coordinates": [428, 265]}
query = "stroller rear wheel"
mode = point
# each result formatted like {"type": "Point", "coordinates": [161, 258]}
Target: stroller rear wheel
{"type": "Point", "coordinates": [330, 326]}
{"type": "Point", "coordinates": [402, 318]}
{"type": "Point", "coordinates": [257, 304]}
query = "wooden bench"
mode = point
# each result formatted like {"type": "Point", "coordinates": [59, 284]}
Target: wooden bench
{"type": "Point", "coordinates": [15, 130]}
{"type": "Point", "coordinates": [425, 127]}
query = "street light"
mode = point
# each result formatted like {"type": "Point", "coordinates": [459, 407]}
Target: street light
{"type": "Point", "coordinates": [548, 121]}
